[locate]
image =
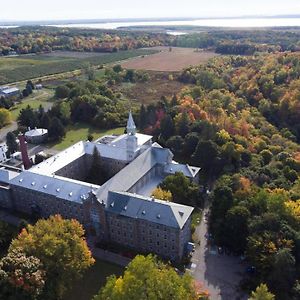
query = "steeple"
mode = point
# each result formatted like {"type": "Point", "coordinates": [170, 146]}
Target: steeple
{"type": "Point", "coordinates": [131, 128]}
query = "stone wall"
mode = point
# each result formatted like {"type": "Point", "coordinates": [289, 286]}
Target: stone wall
{"type": "Point", "coordinates": [25, 199]}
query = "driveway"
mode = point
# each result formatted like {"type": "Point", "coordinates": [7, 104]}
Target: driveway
{"type": "Point", "coordinates": [5, 130]}
{"type": "Point", "coordinates": [220, 274]}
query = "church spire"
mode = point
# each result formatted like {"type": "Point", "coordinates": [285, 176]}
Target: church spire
{"type": "Point", "coordinates": [131, 128]}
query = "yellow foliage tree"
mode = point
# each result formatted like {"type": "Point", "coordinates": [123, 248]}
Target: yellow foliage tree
{"type": "Point", "coordinates": [159, 193]}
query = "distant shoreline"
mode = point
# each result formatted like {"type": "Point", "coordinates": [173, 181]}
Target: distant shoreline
{"type": "Point", "coordinates": [129, 20]}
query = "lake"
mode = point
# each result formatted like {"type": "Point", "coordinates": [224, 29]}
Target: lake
{"type": "Point", "coordinates": [219, 22]}
{"type": "Point", "coordinates": [237, 22]}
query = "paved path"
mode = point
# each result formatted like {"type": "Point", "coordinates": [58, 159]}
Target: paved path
{"type": "Point", "coordinates": [220, 274]}
{"type": "Point", "coordinates": [5, 130]}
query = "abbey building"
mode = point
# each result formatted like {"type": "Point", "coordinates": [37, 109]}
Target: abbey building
{"type": "Point", "coordinates": [121, 210]}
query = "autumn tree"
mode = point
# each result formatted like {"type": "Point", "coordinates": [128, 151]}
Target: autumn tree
{"type": "Point", "coordinates": [262, 293]}
{"type": "Point", "coordinates": [5, 117]}
{"type": "Point", "coordinates": [159, 193]}
{"type": "Point", "coordinates": [60, 246]}
{"type": "Point", "coordinates": [148, 278]}
{"type": "Point", "coordinates": [21, 276]}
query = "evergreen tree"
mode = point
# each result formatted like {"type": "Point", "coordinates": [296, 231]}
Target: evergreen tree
{"type": "Point", "coordinates": [56, 129]}
{"type": "Point", "coordinates": [143, 117]}
{"type": "Point", "coordinates": [167, 127]}
{"type": "Point", "coordinates": [96, 174]}
{"type": "Point", "coordinates": [11, 143]}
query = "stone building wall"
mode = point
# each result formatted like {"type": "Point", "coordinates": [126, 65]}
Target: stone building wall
{"type": "Point", "coordinates": [144, 236]}
{"type": "Point", "coordinates": [24, 199]}
{"type": "Point", "coordinates": [5, 196]}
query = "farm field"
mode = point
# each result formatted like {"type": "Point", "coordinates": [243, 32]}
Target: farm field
{"type": "Point", "coordinates": [14, 69]}
{"type": "Point", "coordinates": [79, 132]}
{"type": "Point", "coordinates": [169, 61]}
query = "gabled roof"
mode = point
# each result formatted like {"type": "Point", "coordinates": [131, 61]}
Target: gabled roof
{"type": "Point", "coordinates": [148, 209]}
{"type": "Point", "coordinates": [187, 170]}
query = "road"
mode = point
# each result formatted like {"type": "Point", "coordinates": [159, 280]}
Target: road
{"type": "Point", "coordinates": [220, 274]}
{"type": "Point", "coordinates": [3, 132]}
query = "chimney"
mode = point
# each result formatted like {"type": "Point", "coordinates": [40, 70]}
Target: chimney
{"type": "Point", "coordinates": [23, 148]}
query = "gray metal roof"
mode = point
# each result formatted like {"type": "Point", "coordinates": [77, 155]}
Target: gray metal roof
{"type": "Point", "coordinates": [134, 171]}
{"type": "Point", "coordinates": [60, 187]}
{"type": "Point", "coordinates": [187, 170]}
{"type": "Point", "coordinates": [152, 210]}
{"type": "Point", "coordinates": [7, 175]}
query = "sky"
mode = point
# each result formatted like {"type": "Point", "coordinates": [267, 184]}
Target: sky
{"type": "Point", "coordinates": [105, 9]}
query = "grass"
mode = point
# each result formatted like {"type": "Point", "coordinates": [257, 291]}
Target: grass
{"type": "Point", "coordinates": [24, 68]}
{"type": "Point", "coordinates": [92, 281]}
{"type": "Point", "coordinates": [80, 131]}
{"type": "Point", "coordinates": [34, 100]}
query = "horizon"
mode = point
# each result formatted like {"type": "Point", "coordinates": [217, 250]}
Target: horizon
{"type": "Point", "coordinates": [32, 11]}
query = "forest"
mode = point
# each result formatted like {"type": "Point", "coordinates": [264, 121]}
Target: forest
{"type": "Point", "coordinates": [39, 39]}
{"type": "Point", "coordinates": [239, 122]}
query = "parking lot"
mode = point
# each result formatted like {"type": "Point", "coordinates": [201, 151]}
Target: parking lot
{"type": "Point", "coordinates": [220, 273]}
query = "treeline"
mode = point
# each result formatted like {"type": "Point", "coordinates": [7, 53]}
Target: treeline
{"type": "Point", "coordinates": [39, 39]}
{"type": "Point", "coordinates": [242, 41]}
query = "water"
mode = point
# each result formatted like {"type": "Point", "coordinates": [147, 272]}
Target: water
{"type": "Point", "coordinates": [237, 22]}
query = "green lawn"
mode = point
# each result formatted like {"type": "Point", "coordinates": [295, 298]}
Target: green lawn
{"type": "Point", "coordinates": [80, 131]}
{"type": "Point", "coordinates": [93, 280]}
{"type": "Point", "coordinates": [42, 97]}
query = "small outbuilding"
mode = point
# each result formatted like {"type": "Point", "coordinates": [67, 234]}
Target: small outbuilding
{"type": "Point", "coordinates": [36, 135]}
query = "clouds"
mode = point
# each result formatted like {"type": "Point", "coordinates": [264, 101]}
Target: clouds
{"type": "Point", "coordinates": [97, 9]}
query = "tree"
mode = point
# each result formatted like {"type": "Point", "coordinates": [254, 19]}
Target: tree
{"type": "Point", "coordinates": [5, 117]}
{"type": "Point", "coordinates": [96, 173]}
{"type": "Point", "coordinates": [62, 92]}
{"type": "Point", "coordinates": [262, 293]}
{"type": "Point", "coordinates": [11, 142]}
{"type": "Point", "coordinates": [45, 121]}
{"type": "Point", "coordinates": [205, 155]}
{"type": "Point", "coordinates": [175, 144]}
{"type": "Point", "coordinates": [236, 228]}
{"type": "Point", "coordinates": [21, 276]}
{"type": "Point", "coordinates": [56, 129]}
{"type": "Point", "coordinates": [283, 274]}
{"type": "Point", "coordinates": [147, 278]}
{"type": "Point", "coordinates": [182, 124]}
{"type": "Point", "coordinates": [191, 141]}
{"type": "Point", "coordinates": [28, 117]}
{"type": "Point", "coordinates": [182, 190]}
{"type": "Point", "coordinates": [167, 127]}
{"type": "Point", "coordinates": [143, 117]}
{"type": "Point", "coordinates": [117, 68]}
{"type": "Point", "coordinates": [159, 193]}
{"type": "Point", "coordinates": [60, 246]}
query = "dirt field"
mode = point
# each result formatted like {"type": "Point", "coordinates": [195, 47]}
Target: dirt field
{"type": "Point", "coordinates": [166, 60]}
